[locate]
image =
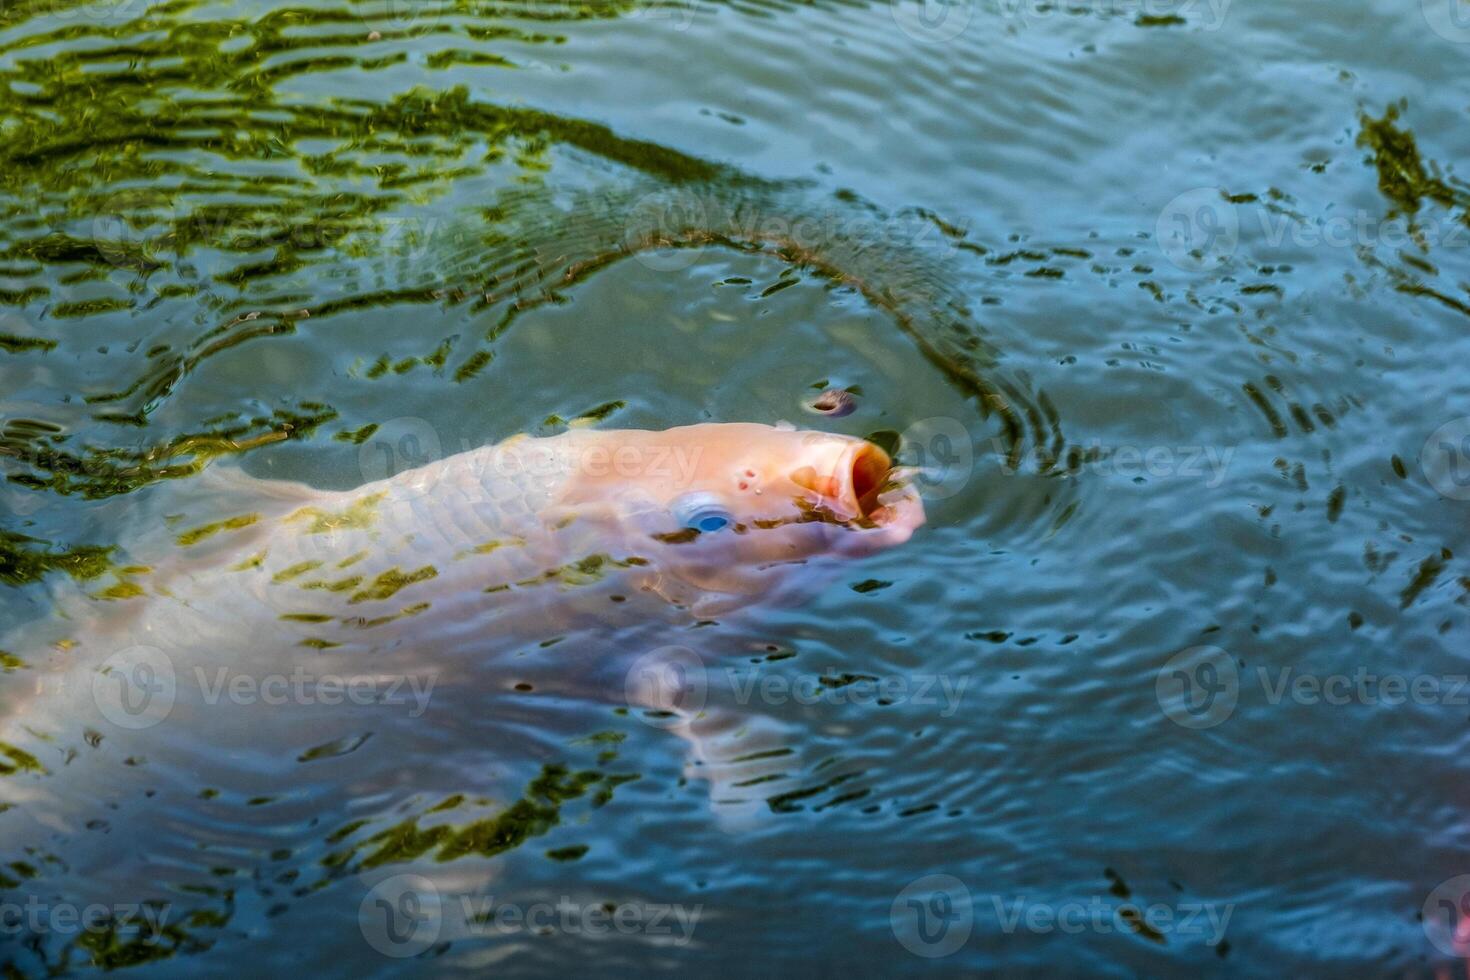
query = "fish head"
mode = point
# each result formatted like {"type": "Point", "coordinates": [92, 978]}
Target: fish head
{"type": "Point", "coordinates": [728, 509]}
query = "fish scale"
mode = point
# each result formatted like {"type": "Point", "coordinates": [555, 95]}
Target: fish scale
{"type": "Point", "coordinates": [361, 557]}
{"type": "Point", "coordinates": [327, 569]}
{"type": "Point", "coordinates": [434, 575]}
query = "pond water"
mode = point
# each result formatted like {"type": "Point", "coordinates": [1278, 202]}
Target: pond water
{"type": "Point", "coordinates": [1167, 299]}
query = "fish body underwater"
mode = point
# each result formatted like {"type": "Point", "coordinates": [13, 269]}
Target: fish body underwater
{"type": "Point", "coordinates": [553, 559]}
{"type": "Point", "coordinates": [709, 517]}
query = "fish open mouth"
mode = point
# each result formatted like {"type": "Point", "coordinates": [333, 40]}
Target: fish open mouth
{"type": "Point", "coordinates": [857, 487]}
{"type": "Point", "coordinates": [879, 496]}
{"type": "Point", "coordinates": [867, 472]}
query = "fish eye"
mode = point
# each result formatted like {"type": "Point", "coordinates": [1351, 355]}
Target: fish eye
{"type": "Point", "coordinates": [703, 512]}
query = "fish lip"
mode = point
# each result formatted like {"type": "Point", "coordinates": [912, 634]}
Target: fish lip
{"type": "Point", "coordinates": [899, 512]}
{"type": "Point", "coordinates": [885, 517]}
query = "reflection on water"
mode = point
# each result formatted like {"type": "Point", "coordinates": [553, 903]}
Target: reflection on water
{"type": "Point", "coordinates": [1166, 303]}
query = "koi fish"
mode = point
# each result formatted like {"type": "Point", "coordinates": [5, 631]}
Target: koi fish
{"type": "Point", "coordinates": [458, 574]}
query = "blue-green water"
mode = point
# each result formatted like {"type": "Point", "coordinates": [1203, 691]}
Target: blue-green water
{"type": "Point", "coordinates": [1170, 298]}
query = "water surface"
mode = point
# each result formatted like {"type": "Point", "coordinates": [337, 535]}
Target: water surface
{"type": "Point", "coordinates": [1171, 299]}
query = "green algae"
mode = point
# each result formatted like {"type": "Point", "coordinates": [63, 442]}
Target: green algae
{"type": "Point", "coordinates": [391, 582]}
{"type": "Point", "coordinates": [206, 531]}
{"type": "Point", "coordinates": [25, 560]}
{"type": "Point", "coordinates": [533, 815]}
